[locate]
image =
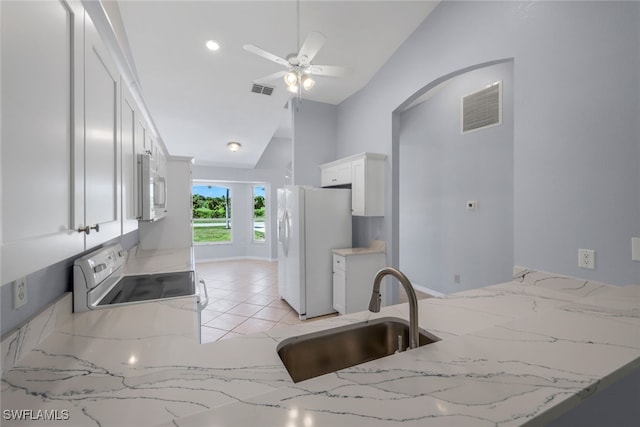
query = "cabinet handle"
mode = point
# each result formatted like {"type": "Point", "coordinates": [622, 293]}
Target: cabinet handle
{"type": "Point", "coordinates": [88, 229]}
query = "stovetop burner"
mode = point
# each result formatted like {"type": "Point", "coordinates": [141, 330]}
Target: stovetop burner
{"type": "Point", "coordinates": [150, 287]}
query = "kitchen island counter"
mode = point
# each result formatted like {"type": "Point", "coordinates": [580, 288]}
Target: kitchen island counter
{"type": "Point", "coordinates": [521, 352]}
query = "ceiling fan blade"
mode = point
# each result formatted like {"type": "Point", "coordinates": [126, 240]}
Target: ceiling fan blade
{"type": "Point", "coordinates": [267, 55]}
{"type": "Point", "coordinates": [270, 77]}
{"type": "Point", "coordinates": [328, 70]}
{"type": "Point", "coordinates": [311, 46]}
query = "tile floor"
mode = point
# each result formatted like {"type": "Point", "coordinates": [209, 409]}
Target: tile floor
{"type": "Point", "coordinates": [244, 299]}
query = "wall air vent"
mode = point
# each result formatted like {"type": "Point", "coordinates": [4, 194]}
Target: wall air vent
{"type": "Point", "coordinates": [483, 108]}
{"type": "Point", "coordinates": [265, 90]}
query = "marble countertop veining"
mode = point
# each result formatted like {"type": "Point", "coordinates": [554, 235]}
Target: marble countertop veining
{"type": "Point", "coordinates": [516, 353]}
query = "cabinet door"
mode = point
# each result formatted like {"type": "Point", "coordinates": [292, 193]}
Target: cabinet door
{"type": "Point", "coordinates": [129, 162]}
{"type": "Point", "coordinates": [327, 177]}
{"type": "Point", "coordinates": [101, 148]}
{"type": "Point", "coordinates": [358, 190]}
{"type": "Point", "coordinates": [339, 291]}
{"type": "Point", "coordinates": [336, 175]}
{"type": "Point", "coordinates": [38, 40]}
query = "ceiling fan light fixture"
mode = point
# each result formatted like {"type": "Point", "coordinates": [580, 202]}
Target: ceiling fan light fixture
{"type": "Point", "coordinates": [291, 78]}
{"type": "Point", "coordinates": [292, 88]}
{"type": "Point", "coordinates": [212, 45]}
{"type": "Point", "coordinates": [234, 146]}
{"type": "Point", "coordinates": [307, 82]}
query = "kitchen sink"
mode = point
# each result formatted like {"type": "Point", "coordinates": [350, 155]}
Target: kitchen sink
{"type": "Point", "coordinates": [318, 353]}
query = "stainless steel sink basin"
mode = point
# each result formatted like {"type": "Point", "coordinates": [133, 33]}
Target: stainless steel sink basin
{"type": "Point", "coordinates": [311, 355]}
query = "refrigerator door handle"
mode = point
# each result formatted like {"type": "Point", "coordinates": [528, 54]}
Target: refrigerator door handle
{"type": "Point", "coordinates": [284, 232]}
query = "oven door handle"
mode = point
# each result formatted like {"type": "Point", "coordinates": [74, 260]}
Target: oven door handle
{"type": "Point", "coordinates": [204, 301]}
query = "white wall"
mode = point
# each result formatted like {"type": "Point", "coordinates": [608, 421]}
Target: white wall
{"type": "Point", "coordinates": [440, 170]}
{"type": "Point", "coordinates": [576, 109]}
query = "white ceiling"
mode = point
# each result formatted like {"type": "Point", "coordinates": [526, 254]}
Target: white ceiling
{"type": "Point", "coordinates": [200, 100]}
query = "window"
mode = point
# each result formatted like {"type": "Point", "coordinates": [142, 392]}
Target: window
{"type": "Point", "coordinates": [211, 214]}
{"type": "Point", "coordinates": [259, 230]}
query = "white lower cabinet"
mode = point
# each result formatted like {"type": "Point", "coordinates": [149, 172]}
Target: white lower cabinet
{"type": "Point", "coordinates": [353, 280]}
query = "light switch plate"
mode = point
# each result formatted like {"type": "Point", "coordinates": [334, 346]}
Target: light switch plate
{"type": "Point", "coordinates": [635, 248]}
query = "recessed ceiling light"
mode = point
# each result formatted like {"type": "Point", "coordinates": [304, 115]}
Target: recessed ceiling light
{"type": "Point", "coordinates": [233, 146]}
{"type": "Point", "coordinates": [213, 45]}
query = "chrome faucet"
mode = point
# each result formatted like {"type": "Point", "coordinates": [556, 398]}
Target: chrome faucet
{"type": "Point", "coordinates": [374, 304]}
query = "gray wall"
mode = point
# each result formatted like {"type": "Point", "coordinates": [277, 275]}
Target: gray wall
{"type": "Point", "coordinates": [440, 170]}
{"type": "Point", "coordinates": [46, 286]}
{"type": "Point", "coordinates": [277, 155]}
{"type": "Point", "coordinates": [576, 133]}
{"type": "Point", "coordinates": [314, 140]}
{"type": "Point", "coordinates": [615, 405]}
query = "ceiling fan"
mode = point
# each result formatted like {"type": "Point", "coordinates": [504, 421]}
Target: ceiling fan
{"type": "Point", "coordinates": [299, 68]}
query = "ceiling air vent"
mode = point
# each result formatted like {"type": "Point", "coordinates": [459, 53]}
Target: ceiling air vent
{"type": "Point", "coordinates": [265, 90]}
{"type": "Point", "coordinates": [483, 108]}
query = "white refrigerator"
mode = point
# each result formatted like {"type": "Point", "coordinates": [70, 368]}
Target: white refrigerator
{"type": "Point", "coordinates": [311, 222]}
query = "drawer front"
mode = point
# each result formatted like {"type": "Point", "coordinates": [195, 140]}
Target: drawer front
{"type": "Point", "coordinates": [339, 262]}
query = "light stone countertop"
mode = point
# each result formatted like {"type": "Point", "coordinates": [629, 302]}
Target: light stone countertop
{"type": "Point", "coordinates": [376, 246]}
{"type": "Point", "coordinates": [148, 261]}
{"type": "Point", "coordinates": [520, 352]}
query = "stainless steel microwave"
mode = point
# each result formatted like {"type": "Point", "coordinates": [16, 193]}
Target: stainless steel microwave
{"type": "Point", "coordinates": [153, 190]}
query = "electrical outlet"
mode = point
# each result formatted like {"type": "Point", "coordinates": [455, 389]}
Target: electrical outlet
{"type": "Point", "coordinates": [587, 258]}
{"type": "Point", "coordinates": [19, 292]}
{"type": "Point", "coordinates": [635, 248]}
{"type": "Point", "coordinates": [456, 278]}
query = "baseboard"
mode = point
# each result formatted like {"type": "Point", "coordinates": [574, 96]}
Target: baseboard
{"type": "Point", "coordinates": [236, 258]}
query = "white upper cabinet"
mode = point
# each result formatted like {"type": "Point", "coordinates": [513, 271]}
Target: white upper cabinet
{"type": "Point", "coordinates": [364, 174]}
{"type": "Point", "coordinates": [339, 174]}
{"type": "Point", "coordinates": [102, 180]}
{"type": "Point", "coordinates": [38, 123]}
{"type": "Point", "coordinates": [131, 145]}
{"type": "Point", "coordinates": [70, 135]}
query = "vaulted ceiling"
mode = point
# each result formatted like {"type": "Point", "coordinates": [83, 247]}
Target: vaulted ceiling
{"type": "Point", "coordinates": [201, 99]}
